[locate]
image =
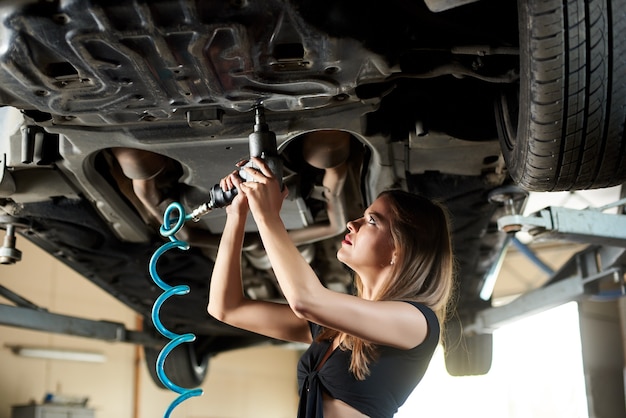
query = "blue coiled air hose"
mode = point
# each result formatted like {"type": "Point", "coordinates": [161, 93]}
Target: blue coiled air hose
{"type": "Point", "coordinates": [172, 223]}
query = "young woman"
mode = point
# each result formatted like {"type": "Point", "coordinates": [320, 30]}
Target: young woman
{"type": "Point", "coordinates": [367, 352]}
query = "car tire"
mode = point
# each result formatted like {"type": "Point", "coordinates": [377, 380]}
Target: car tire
{"type": "Point", "coordinates": [183, 366]}
{"type": "Point", "coordinates": [562, 128]}
{"type": "Point", "coordinates": [466, 355]}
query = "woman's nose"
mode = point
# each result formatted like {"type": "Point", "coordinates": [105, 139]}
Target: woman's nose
{"type": "Point", "coordinates": [353, 225]}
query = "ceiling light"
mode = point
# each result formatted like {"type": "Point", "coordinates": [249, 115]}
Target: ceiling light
{"type": "Point", "coordinates": [58, 354]}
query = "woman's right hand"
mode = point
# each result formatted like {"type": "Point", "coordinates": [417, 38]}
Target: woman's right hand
{"type": "Point", "coordinates": [239, 205]}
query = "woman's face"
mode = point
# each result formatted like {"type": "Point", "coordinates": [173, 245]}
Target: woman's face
{"type": "Point", "coordinates": [368, 246]}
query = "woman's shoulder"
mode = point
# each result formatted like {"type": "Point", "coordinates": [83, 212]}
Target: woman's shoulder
{"type": "Point", "coordinates": [431, 317]}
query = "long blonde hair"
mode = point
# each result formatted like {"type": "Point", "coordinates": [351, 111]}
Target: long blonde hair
{"type": "Point", "coordinates": [423, 268]}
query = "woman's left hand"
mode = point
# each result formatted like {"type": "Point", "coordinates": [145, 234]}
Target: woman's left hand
{"type": "Point", "coordinates": [263, 191]}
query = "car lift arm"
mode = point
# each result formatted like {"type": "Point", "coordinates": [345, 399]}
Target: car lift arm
{"type": "Point", "coordinates": [30, 316]}
{"type": "Point", "coordinates": [597, 271]}
{"type": "Point", "coordinates": [591, 226]}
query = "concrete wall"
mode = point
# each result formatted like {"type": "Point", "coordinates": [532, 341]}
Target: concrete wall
{"type": "Point", "coordinates": [257, 382]}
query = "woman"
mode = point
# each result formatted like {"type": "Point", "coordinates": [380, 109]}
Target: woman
{"type": "Point", "coordinates": [367, 352]}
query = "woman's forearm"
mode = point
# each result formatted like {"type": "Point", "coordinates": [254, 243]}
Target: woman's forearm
{"type": "Point", "coordinates": [226, 289]}
{"type": "Point", "coordinates": [296, 278]}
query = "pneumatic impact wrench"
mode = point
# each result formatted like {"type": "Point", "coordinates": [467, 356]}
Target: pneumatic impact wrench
{"type": "Point", "coordinates": [262, 144]}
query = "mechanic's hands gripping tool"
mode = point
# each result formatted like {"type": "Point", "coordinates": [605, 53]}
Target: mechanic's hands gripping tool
{"type": "Point", "coordinates": [262, 144]}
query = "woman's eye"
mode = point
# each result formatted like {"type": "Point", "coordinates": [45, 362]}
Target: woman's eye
{"type": "Point", "coordinates": [371, 221]}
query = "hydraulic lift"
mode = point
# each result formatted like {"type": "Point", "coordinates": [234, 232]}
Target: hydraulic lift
{"type": "Point", "coordinates": [594, 278]}
{"type": "Point", "coordinates": [597, 271]}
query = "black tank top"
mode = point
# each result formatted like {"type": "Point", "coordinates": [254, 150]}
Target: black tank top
{"type": "Point", "coordinates": [393, 376]}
